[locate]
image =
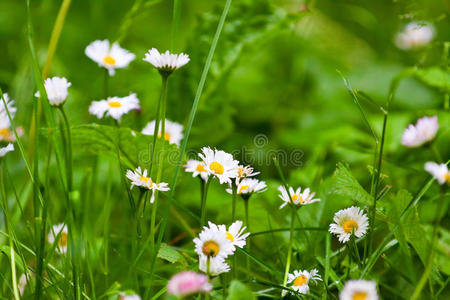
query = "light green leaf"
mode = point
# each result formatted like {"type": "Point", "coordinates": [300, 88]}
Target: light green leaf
{"type": "Point", "coordinates": [347, 185]}
{"type": "Point", "coordinates": [239, 291]}
{"type": "Point", "coordinates": [434, 77]}
{"type": "Point", "coordinates": [168, 253]}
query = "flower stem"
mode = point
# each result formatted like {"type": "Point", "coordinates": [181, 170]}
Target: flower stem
{"type": "Point", "coordinates": [203, 204]}
{"type": "Point", "coordinates": [106, 84]}
{"type": "Point", "coordinates": [247, 223]}
{"type": "Point", "coordinates": [234, 199]}
{"type": "Point", "coordinates": [291, 239]}
{"type": "Point", "coordinates": [161, 100]}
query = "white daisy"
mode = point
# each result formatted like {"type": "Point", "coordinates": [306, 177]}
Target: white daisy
{"type": "Point", "coordinates": [166, 62]}
{"type": "Point", "coordinates": [108, 57]}
{"type": "Point", "coordinates": [217, 265]}
{"type": "Point", "coordinates": [140, 179]}
{"type": "Point", "coordinates": [213, 242]}
{"type": "Point", "coordinates": [438, 171]}
{"type": "Point", "coordinates": [173, 131]}
{"type": "Point", "coordinates": [414, 35]}
{"type": "Point", "coordinates": [6, 133]}
{"type": "Point", "coordinates": [61, 230]}
{"type": "Point", "coordinates": [244, 172]}
{"type": "Point", "coordinates": [220, 164]}
{"type": "Point", "coordinates": [196, 168]}
{"type": "Point", "coordinates": [300, 280]}
{"type": "Point", "coordinates": [56, 89]}
{"type": "Point", "coordinates": [235, 234]}
{"type": "Point", "coordinates": [4, 150]}
{"type": "Point", "coordinates": [125, 296]}
{"type": "Point", "coordinates": [114, 106]}
{"type": "Point", "coordinates": [298, 198]}
{"type": "Point", "coordinates": [359, 290]}
{"type": "Point", "coordinates": [348, 221]}
{"type": "Point", "coordinates": [249, 186]}
{"type": "Point", "coordinates": [424, 131]}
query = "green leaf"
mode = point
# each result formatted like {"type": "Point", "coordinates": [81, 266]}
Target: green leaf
{"type": "Point", "coordinates": [239, 291]}
{"type": "Point", "coordinates": [434, 77]}
{"type": "Point", "coordinates": [168, 253]}
{"type": "Point", "coordinates": [347, 185]}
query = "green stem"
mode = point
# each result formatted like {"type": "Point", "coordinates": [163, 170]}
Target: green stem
{"type": "Point", "coordinates": [247, 223]}
{"type": "Point", "coordinates": [291, 239]}
{"type": "Point", "coordinates": [161, 100]}
{"type": "Point", "coordinates": [69, 159]}
{"type": "Point", "coordinates": [203, 204]}
{"type": "Point", "coordinates": [139, 214]}
{"type": "Point", "coordinates": [105, 84]}
{"type": "Point", "coordinates": [234, 200]}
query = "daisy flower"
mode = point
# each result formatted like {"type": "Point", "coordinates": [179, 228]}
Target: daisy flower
{"type": "Point", "coordinates": [61, 230]}
{"type": "Point", "coordinates": [220, 164]}
{"type": "Point", "coordinates": [300, 280]}
{"type": "Point", "coordinates": [213, 242]}
{"type": "Point", "coordinates": [22, 283]}
{"type": "Point", "coordinates": [421, 133]}
{"type": "Point", "coordinates": [359, 290]}
{"type": "Point", "coordinates": [166, 62]}
{"type": "Point", "coordinates": [125, 296]}
{"type": "Point", "coordinates": [56, 89]}
{"type": "Point", "coordinates": [140, 179]}
{"type": "Point", "coordinates": [173, 131]}
{"type": "Point", "coordinates": [197, 168]}
{"type": "Point", "coordinates": [235, 234]}
{"type": "Point", "coordinates": [217, 265]}
{"type": "Point", "coordinates": [188, 282]}
{"type": "Point", "coordinates": [6, 133]}
{"type": "Point", "coordinates": [111, 58]}
{"type": "Point", "coordinates": [349, 221]}
{"type": "Point", "coordinates": [438, 171]}
{"type": "Point", "coordinates": [298, 198]}
{"type": "Point", "coordinates": [4, 150]}
{"type": "Point", "coordinates": [249, 186]}
{"type": "Point", "coordinates": [244, 172]}
{"type": "Point", "coordinates": [414, 35]}
{"type": "Point", "coordinates": [114, 107]}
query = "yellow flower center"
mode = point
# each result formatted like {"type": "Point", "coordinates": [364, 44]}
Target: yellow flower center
{"type": "Point", "coordinates": [4, 132]}
{"type": "Point", "coordinates": [243, 188]}
{"type": "Point", "coordinates": [200, 168]}
{"type": "Point", "coordinates": [210, 248]}
{"type": "Point", "coordinates": [114, 104]}
{"type": "Point", "coordinates": [300, 280]}
{"type": "Point", "coordinates": [447, 177]}
{"type": "Point", "coordinates": [166, 136]}
{"type": "Point", "coordinates": [62, 240]}
{"type": "Point", "coordinates": [359, 296]}
{"type": "Point", "coordinates": [109, 60]}
{"type": "Point", "coordinates": [349, 225]}
{"type": "Point", "coordinates": [240, 172]}
{"type": "Point", "coordinates": [230, 237]}
{"type": "Point", "coordinates": [216, 167]}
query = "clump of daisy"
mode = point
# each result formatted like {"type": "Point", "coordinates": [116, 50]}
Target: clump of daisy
{"type": "Point", "coordinates": [56, 89]}
{"type": "Point", "coordinates": [249, 186]}
{"type": "Point", "coordinates": [59, 234]}
{"type": "Point", "coordinates": [110, 57]}
{"type": "Point", "coordinates": [173, 131]}
{"type": "Point", "coordinates": [298, 198]}
{"type": "Point", "coordinates": [348, 222]}
{"type": "Point", "coordinates": [197, 168]}
{"type": "Point", "coordinates": [414, 35]}
{"type": "Point", "coordinates": [300, 280]}
{"type": "Point", "coordinates": [114, 107]}
{"type": "Point", "coordinates": [6, 134]}
{"type": "Point", "coordinates": [359, 290]}
{"type": "Point", "coordinates": [421, 133]}
{"type": "Point", "coordinates": [438, 171]}
{"type": "Point", "coordinates": [220, 164]}
{"type": "Point", "coordinates": [166, 62]}
{"type": "Point", "coordinates": [187, 283]}
{"type": "Point", "coordinates": [5, 150]}
{"type": "Point", "coordinates": [140, 179]}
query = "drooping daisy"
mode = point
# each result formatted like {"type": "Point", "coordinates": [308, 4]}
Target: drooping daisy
{"type": "Point", "coordinates": [235, 234]}
{"type": "Point", "coordinates": [438, 171]}
{"type": "Point", "coordinates": [56, 89]}
{"type": "Point", "coordinates": [197, 168]}
{"type": "Point", "coordinates": [61, 230]}
{"type": "Point", "coordinates": [111, 58]}
{"type": "Point", "coordinates": [249, 186]}
{"type": "Point", "coordinates": [4, 150]}
{"type": "Point", "coordinates": [220, 164]}
{"type": "Point", "coordinates": [125, 296]}
{"type": "Point", "coordinates": [414, 35]}
{"type": "Point", "coordinates": [140, 179]}
{"type": "Point", "coordinates": [173, 131]}
{"type": "Point", "coordinates": [244, 172]}
{"type": "Point", "coordinates": [298, 198]}
{"type": "Point", "coordinates": [421, 133]}
{"type": "Point", "coordinates": [349, 221]}
{"type": "Point", "coordinates": [213, 242]}
{"type": "Point", "coordinates": [114, 107]}
{"type": "Point", "coordinates": [217, 266]}
{"type": "Point", "coordinates": [188, 282]}
{"type": "Point", "coordinates": [300, 280]}
{"type": "Point", "coordinates": [166, 62]}
{"type": "Point", "coordinates": [359, 290]}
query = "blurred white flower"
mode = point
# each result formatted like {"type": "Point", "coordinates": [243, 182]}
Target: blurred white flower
{"type": "Point", "coordinates": [421, 133]}
{"type": "Point", "coordinates": [114, 106]}
{"type": "Point", "coordinates": [349, 221]}
{"type": "Point", "coordinates": [438, 171]}
{"type": "Point", "coordinates": [124, 296]}
{"type": "Point", "coordinates": [61, 230]}
{"type": "Point", "coordinates": [56, 89]}
{"type": "Point", "coordinates": [173, 131]}
{"type": "Point", "coordinates": [235, 234]}
{"type": "Point", "coordinates": [249, 186]}
{"type": "Point", "coordinates": [297, 197]}
{"type": "Point", "coordinates": [213, 242]}
{"type": "Point", "coordinates": [140, 179]}
{"type": "Point", "coordinates": [6, 134]}
{"type": "Point", "coordinates": [188, 282]}
{"type": "Point", "coordinates": [108, 57]}
{"type": "Point", "coordinates": [300, 280]}
{"type": "Point", "coordinates": [359, 290]}
{"type": "Point", "coordinates": [6, 149]}
{"type": "Point", "coordinates": [217, 265]}
{"type": "Point", "coordinates": [414, 35]}
{"type": "Point", "coordinates": [197, 168]}
{"type": "Point", "coordinates": [220, 164]}
{"type": "Point", "coordinates": [166, 62]}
